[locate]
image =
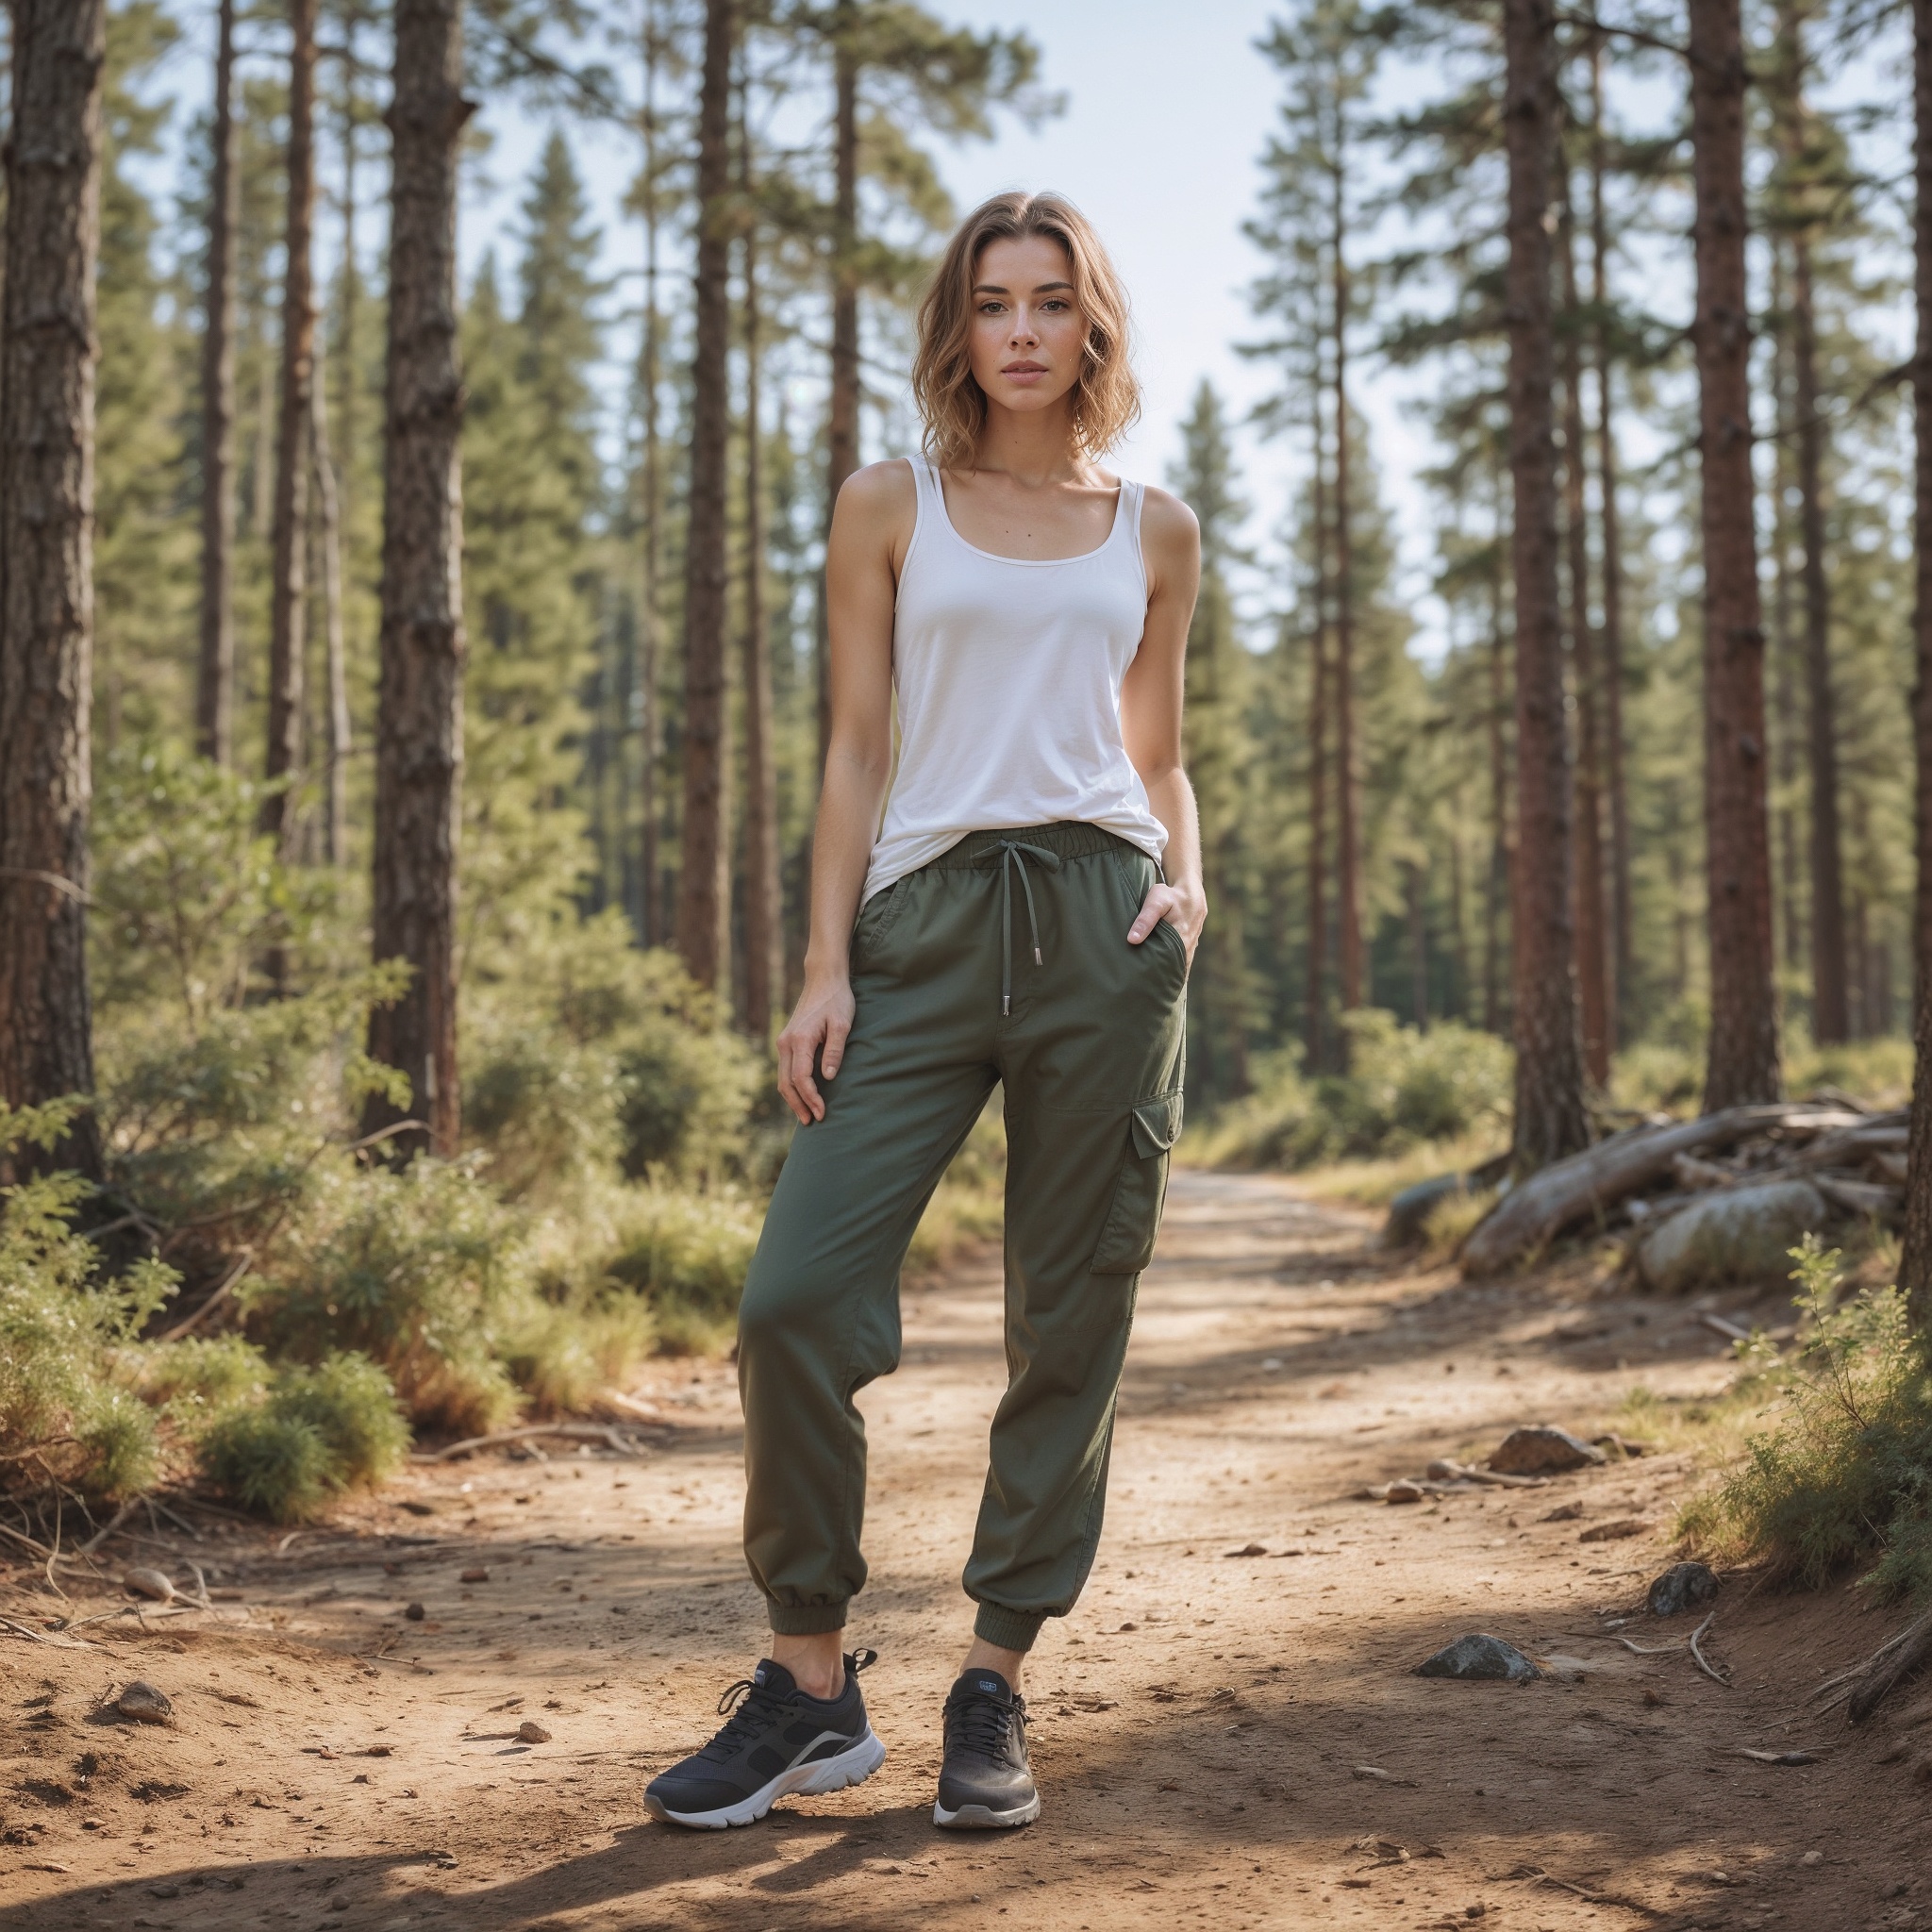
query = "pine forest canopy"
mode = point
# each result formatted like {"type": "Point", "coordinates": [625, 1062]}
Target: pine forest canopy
{"type": "Point", "coordinates": [500, 589]}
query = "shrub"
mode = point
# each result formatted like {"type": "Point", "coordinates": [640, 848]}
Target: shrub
{"type": "Point", "coordinates": [277, 1464]}
{"type": "Point", "coordinates": [321, 1431]}
{"type": "Point", "coordinates": [563, 1356]}
{"type": "Point", "coordinates": [67, 1414]}
{"type": "Point", "coordinates": [1402, 1088]}
{"type": "Point", "coordinates": [416, 1270]}
{"type": "Point", "coordinates": [195, 1379]}
{"type": "Point", "coordinates": [1846, 1474]}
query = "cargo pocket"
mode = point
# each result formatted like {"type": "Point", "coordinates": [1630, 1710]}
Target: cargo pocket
{"type": "Point", "coordinates": [1126, 1237]}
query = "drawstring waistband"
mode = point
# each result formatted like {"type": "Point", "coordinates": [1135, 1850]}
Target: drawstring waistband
{"type": "Point", "coordinates": [1013, 853]}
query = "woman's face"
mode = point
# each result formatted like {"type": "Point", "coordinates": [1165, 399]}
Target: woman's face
{"type": "Point", "coordinates": [1028, 330]}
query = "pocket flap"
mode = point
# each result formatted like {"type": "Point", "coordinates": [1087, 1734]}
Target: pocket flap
{"type": "Point", "coordinates": [1157, 1125]}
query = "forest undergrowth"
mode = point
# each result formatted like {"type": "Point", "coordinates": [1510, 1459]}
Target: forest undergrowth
{"type": "Point", "coordinates": [258, 1305]}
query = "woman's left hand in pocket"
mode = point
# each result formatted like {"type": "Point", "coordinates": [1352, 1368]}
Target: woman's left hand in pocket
{"type": "Point", "coordinates": [1187, 912]}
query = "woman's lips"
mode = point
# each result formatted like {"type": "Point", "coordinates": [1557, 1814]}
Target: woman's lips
{"type": "Point", "coordinates": [1021, 372]}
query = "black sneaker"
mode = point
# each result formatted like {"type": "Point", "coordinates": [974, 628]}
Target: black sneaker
{"type": "Point", "coordinates": [985, 1783]}
{"type": "Point", "coordinates": [779, 1741]}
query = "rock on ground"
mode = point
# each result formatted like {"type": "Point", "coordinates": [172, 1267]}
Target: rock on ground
{"type": "Point", "coordinates": [1682, 1586]}
{"type": "Point", "coordinates": [1480, 1657]}
{"type": "Point", "coordinates": [1542, 1450]}
{"type": "Point", "coordinates": [1741, 1234]}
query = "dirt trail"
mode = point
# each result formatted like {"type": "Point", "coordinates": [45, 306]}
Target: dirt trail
{"type": "Point", "coordinates": [1233, 1738]}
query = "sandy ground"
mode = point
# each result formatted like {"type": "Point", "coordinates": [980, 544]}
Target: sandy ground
{"type": "Point", "coordinates": [1226, 1732]}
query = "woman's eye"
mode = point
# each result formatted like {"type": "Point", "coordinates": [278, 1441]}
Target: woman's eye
{"type": "Point", "coordinates": [993, 307]}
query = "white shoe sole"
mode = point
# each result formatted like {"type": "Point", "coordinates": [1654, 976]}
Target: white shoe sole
{"type": "Point", "coordinates": [850, 1767]}
{"type": "Point", "coordinates": [981, 1817]}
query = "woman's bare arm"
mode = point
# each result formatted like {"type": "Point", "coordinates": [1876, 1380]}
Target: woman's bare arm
{"type": "Point", "coordinates": [872, 525]}
{"type": "Point", "coordinates": [1150, 714]}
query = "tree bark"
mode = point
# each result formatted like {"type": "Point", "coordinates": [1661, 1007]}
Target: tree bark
{"type": "Point", "coordinates": [1418, 945]}
{"type": "Point", "coordinates": [1830, 1018]}
{"type": "Point", "coordinates": [335, 829]}
{"type": "Point", "coordinates": [288, 595]}
{"type": "Point", "coordinates": [702, 905]}
{"type": "Point", "coordinates": [764, 937]}
{"type": "Point", "coordinates": [1496, 887]}
{"type": "Point", "coordinates": [1622, 949]}
{"type": "Point", "coordinates": [1915, 1262]}
{"type": "Point", "coordinates": [1551, 1121]}
{"type": "Point", "coordinates": [1317, 765]}
{"type": "Point", "coordinates": [645, 917]}
{"type": "Point", "coordinates": [1784, 691]}
{"type": "Point", "coordinates": [842, 413]}
{"type": "Point", "coordinates": [214, 696]}
{"type": "Point", "coordinates": [47, 355]}
{"type": "Point", "coordinates": [1742, 1065]}
{"type": "Point", "coordinates": [1348, 890]}
{"type": "Point", "coordinates": [419, 751]}
{"type": "Point", "coordinates": [1595, 973]}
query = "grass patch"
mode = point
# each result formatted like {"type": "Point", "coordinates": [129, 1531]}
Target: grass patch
{"type": "Point", "coordinates": [321, 1431]}
{"type": "Point", "coordinates": [1374, 1183]}
{"type": "Point", "coordinates": [1844, 1476]}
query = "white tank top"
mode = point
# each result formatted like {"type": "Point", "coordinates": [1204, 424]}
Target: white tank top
{"type": "Point", "coordinates": [1008, 672]}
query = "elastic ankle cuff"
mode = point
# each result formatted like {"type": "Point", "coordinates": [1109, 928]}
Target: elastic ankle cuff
{"type": "Point", "coordinates": [806, 1620]}
{"type": "Point", "coordinates": [1007, 1629]}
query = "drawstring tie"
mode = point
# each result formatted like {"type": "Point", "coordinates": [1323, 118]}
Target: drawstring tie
{"type": "Point", "coordinates": [1012, 855]}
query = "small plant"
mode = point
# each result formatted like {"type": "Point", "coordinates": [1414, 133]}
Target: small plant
{"type": "Point", "coordinates": [69, 1418]}
{"type": "Point", "coordinates": [321, 1431]}
{"type": "Point", "coordinates": [1847, 1472]}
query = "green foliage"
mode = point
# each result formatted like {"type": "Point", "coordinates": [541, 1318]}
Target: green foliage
{"type": "Point", "coordinates": [1403, 1087]}
{"type": "Point", "coordinates": [194, 1379]}
{"type": "Point", "coordinates": [602, 1056]}
{"type": "Point", "coordinates": [68, 1415]}
{"type": "Point", "coordinates": [1846, 1471]}
{"type": "Point", "coordinates": [321, 1431]}
{"type": "Point", "coordinates": [414, 1269]}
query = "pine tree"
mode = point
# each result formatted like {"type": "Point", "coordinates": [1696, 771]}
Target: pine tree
{"type": "Point", "coordinates": [703, 902]}
{"type": "Point", "coordinates": [1218, 757]}
{"type": "Point", "coordinates": [288, 603]}
{"type": "Point", "coordinates": [58, 57]}
{"type": "Point", "coordinates": [1743, 1055]}
{"type": "Point", "coordinates": [1550, 1119]}
{"type": "Point", "coordinates": [215, 693]}
{"type": "Point", "coordinates": [419, 718]}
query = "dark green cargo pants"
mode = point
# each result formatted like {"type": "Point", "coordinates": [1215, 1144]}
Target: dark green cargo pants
{"type": "Point", "coordinates": [1088, 1038]}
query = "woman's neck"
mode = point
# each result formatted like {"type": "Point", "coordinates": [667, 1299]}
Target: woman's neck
{"type": "Point", "coordinates": [1035, 447]}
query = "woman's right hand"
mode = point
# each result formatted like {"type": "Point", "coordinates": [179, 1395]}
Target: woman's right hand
{"type": "Point", "coordinates": [816, 1031]}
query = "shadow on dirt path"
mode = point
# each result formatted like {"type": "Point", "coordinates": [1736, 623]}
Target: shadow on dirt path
{"type": "Point", "coordinates": [1227, 1731]}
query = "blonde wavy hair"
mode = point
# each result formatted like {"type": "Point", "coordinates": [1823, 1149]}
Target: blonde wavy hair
{"type": "Point", "coordinates": [1106, 397]}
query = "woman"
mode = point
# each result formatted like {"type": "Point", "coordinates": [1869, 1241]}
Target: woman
{"type": "Point", "coordinates": [1027, 914]}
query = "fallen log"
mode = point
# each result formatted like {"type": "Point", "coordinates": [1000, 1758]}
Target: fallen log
{"type": "Point", "coordinates": [1860, 1197]}
{"type": "Point", "coordinates": [1588, 1185]}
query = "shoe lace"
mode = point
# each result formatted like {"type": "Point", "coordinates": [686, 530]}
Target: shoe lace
{"type": "Point", "coordinates": [975, 1722]}
{"type": "Point", "coordinates": [748, 1707]}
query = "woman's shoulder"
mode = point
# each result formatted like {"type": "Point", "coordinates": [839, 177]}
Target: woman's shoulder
{"type": "Point", "coordinates": [1170, 533]}
{"type": "Point", "coordinates": [886, 488]}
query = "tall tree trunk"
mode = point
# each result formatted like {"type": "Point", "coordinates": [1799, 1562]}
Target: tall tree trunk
{"type": "Point", "coordinates": [1623, 948]}
{"type": "Point", "coordinates": [214, 695]}
{"type": "Point", "coordinates": [1784, 691]}
{"type": "Point", "coordinates": [1458, 1002]}
{"type": "Point", "coordinates": [1551, 1119]}
{"type": "Point", "coordinates": [418, 749]}
{"type": "Point", "coordinates": [764, 935]}
{"type": "Point", "coordinates": [1915, 1264]}
{"type": "Point", "coordinates": [335, 830]}
{"type": "Point", "coordinates": [842, 414]}
{"type": "Point", "coordinates": [1348, 886]}
{"type": "Point", "coordinates": [288, 595]}
{"type": "Point", "coordinates": [1596, 986]}
{"type": "Point", "coordinates": [1744, 1056]}
{"type": "Point", "coordinates": [1829, 1018]}
{"type": "Point", "coordinates": [1496, 887]}
{"type": "Point", "coordinates": [644, 917]}
{"type": "Point", "coordinates": [702, 905]}
{"type": "Point", "coordinates": [47, 355]}
{"type": "Point", "coordinates": [1318, 764]}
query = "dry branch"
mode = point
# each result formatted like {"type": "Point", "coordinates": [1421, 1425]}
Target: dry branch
{"type": "Point", "coordinates": [1882, 1674]}
{"type": "Point", "coordinates": [593, 1432]}
{"type": "Point", "coordinates": [1588, 1185]}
